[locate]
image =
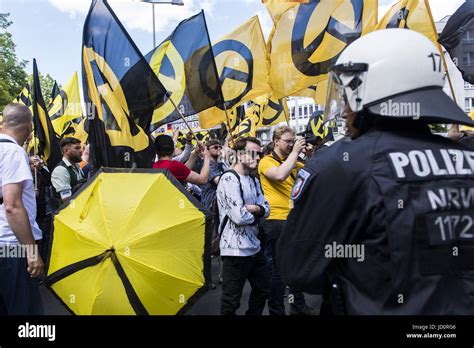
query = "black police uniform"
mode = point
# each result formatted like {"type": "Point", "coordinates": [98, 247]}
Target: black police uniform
{"type": "Point", "coordinates": [408, 198]}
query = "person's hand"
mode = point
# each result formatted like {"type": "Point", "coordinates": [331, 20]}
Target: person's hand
{"type": "Point", "coordinates": [299, 146]}
{"type": "Point", "coordinates": [175, 136]}
{"type": "Point", "coordinates": [309, 150]}
{"type": "Point", "coordinates": [38, 163]}
{"type": "Point", "coordinates": [35, 264]}
{"type": "Point", "coordinates": [205, 152]}
{"type": "Point", "coordinates": [252, 208]}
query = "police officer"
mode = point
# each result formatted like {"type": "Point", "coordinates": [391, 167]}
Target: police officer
{"type": "Point", "coordinates": [383, 223]}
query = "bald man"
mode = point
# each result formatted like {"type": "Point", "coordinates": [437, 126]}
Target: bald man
{"type": "Point", "coordinates": [20, 263]}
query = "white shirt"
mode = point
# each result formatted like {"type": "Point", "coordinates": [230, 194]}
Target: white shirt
{"type": "Point", "coordinates": [239, 234]}
{"type": "Point", "coordinates": [61, 180]}
{"type": "Point", "coordinates": [15, 168]}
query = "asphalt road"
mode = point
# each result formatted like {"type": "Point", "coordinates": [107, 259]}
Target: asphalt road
{"type": "Point", "coordinates": [209, 304]}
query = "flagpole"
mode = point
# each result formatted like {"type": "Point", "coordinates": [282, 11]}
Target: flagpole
{"type": "Point", "coordinates": [182, 116]}
{"type": "Point", "coordinates": [427, 3]}
{"type": "Point", "coordinates": [218, 79]}
{"type": "Point", "coordinates": [228, 125]}
{"type": "Point", "coordinates": [36, 170]}
{"type": "Point", "coordinates": [454, 127]}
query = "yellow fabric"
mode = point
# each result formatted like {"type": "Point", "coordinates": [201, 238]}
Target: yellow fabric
{"type": "Point", "coordinates": [277, 194]}
{"type": "Point", "coordinates": [249, 125]}
{"type": "Point", "coordinates": [159, 243]}
{"type": "Point", "coordinates": [286, 76]}
{"type": "Point", "coordinates": [80, 133]}
{"type": "Point", "coordinates": [119, 127]}
{"type": "Point", "coordinates": [275, 112]}
{"type": "Point", "coordinates": [63, 111]}
{"type": "Point", "coordinates": [249, 35]}
{"type": "Point", "coordinates": [467, 128]}
{"type": "Point", "coordinates": [410, 14]}
{"type": "Point", "coordinates": [277, 7]}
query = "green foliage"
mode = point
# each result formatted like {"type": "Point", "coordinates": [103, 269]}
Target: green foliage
{"type": "Point", "coordinates": [47, 84]}
{"type": "Point", "coordinates": [12, 70]}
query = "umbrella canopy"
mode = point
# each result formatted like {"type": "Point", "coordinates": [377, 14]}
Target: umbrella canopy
{"type": "Point", "coordinates": [130, 242]}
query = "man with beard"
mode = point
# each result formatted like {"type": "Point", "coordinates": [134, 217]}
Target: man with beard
{"type": "Point", "coordinates": [67, 177]}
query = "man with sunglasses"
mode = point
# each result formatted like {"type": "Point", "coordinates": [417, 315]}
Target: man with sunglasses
{"type": "Point", "coordinates": [278, 172]}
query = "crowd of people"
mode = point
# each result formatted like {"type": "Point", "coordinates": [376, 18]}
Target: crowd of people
{"type": "Point", "coordinates": [277, 208]}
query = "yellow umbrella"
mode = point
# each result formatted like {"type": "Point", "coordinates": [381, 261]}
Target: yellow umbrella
{"type": "Point", "coordinates": [130, 242]}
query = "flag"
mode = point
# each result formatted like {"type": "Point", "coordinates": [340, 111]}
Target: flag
{"type": "Point", "coordinates": [66, 105]}
{"type": "Point", "coordinates": [276, 8]}
{"type": "Point", "coordinates": [410, 14]}
{"type": "Point", "coordinates": [309, 38]}
{"type": "Point", "coordinates": [317, 129]}
{"type": "Point", "coordinates": [121, 89]}
{"type": "Point", "coordinates": [54, 93]}
{"type": "Point", "coordinates": [275, 112]}
{"type": "Point", "coordinates": [467, 128]}
{"type": "Point", "coordinates": [185, 64]}
{"type": "Point", "coordinates": [48, 145]}
{"type": "Point", "coordinates": [249, 125]}
{"type": "Point", "coordinates": [458, 42]}
{"type": "Point", "coordinates": [24, 97]}
{"type": "Point", "coordinates": [243, 70]}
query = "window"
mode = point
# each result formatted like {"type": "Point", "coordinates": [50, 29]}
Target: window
{"type": "Point", "coordinates": [467, 85]}
{"type": "Point", "coordinates": [468, 58]}
{"type": "Point", "coordinates": [468, 104]}
{"type": "Point", "coordinates": [300, 111]}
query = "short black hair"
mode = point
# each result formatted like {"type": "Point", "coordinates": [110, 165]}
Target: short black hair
{"type": "Point", "coordinates": [68, 141]}
{"type": "Point", "coordinates": [241, 143]}
{"type": "Point", "coordinates": [164, 145]}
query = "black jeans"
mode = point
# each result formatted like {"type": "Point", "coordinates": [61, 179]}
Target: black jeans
{"type": "Point", "coordinates": [276, 305]}
{"type": "Point", "coordinates": [235, 271]}
{"type": "Point", "coordinates": [19, 293]}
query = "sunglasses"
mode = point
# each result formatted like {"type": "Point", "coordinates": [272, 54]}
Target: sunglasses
{"type": "Point", "coordinates": [215, 147]}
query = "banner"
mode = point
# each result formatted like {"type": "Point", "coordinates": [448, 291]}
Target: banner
{"type": "Point", "coordinates": [122, 90]}
{"type": "Point", "coordinates": [309, 38]}
{"type": "Point", "coordinates": [185, 64]}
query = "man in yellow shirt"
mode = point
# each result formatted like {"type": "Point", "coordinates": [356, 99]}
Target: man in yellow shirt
{"type": "Point", "coordinates": [277, 173]}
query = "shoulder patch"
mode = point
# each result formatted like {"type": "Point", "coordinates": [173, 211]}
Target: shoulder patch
{"type": "Point", "coordinates": [300, 183]}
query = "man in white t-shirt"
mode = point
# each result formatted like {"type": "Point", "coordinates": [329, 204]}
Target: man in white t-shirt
{"type": "Point", "coordinates": [20, 263]}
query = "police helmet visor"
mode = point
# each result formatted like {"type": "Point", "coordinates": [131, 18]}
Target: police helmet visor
{"type": "Point", "coordinates": [343, 78]}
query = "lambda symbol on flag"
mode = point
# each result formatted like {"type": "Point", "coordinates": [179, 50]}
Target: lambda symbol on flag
{"type": "Point", "coordinates": [240, 75]}
{"type": "Point", "coordinates": [302, 54]}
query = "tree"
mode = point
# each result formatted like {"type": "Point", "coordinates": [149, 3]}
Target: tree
{"type": "Point", "coordinates": [47, 83]}
{"type": "Point", "coordinates": [12, 70]}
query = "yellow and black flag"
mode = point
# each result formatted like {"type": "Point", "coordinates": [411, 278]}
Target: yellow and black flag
{"type": "Point", "coordinates": [243, 69]}
{"type": "Point", "coordinates": [66, 106]}
{"type": "Point", "coordinates": [54, 93]}
{"type": "Point", "coordinates": [252, 121]}
{"type": "Point", "coordinates": [411, 14]}
{"type": "Point", "coordinates": [316, 130]}
{"type": "Point", "coordinates": [309, 37]}
{"type": "Point", "coordinates": [275, 112]}
{"type": "Point", "coordinates": [122, 90]}
{"type": "Point", "coordinates": [48, 144]}
{"type": "Point", "coordinates": [24, 97]}
{"type": "Point", "coordinates": [185, 64]}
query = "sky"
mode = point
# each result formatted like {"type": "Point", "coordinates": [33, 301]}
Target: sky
{"type": "Point", "coordinates": [51, 30]}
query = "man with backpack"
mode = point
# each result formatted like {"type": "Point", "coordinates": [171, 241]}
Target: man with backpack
{"type": "Point", "coordinates": [241, 205]}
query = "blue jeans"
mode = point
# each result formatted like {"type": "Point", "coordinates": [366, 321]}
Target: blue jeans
{"type": "Point", "coordinates": [276, 305]}
{"type": "Point", "coordinates": [19, 293]}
